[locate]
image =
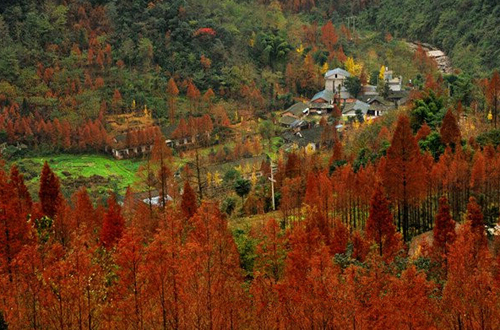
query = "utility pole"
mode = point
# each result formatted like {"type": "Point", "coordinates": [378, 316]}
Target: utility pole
{"type": "Point", "coordinates": [272, 186]}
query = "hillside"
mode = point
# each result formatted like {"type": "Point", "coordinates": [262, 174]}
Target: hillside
{"type": "Point", "coordinates": [66, 66]}
{"type": "Point", "coordinates": [468, 30]}
{"type": "Point", "coordinates": [249, 164]}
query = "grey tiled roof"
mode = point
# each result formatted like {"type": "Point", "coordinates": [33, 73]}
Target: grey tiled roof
{"type": "Point", "coordinates": [325, 95]}
{"type": "Point", "coordinates": [337, 71]}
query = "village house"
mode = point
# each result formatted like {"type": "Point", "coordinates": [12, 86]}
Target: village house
{"type": "Point", "coordinates": [350, 109]}
{"type": "Point", "coordinates": [335, 79]}
{"type": "Point", "coordinates": [293, 116]}
{"type": "Point", "coordinates": [379, 106]}
{"type": "Point", "coordinates": [369, 91]}
{"type": "Point", "coordinates": [395, 84]}
{"type": "Point", "coordinates": [120, 149]}
{"type": "Point", "coordinates": [298, 110]}
{"type": "Point", "coordinates": [322, 101]}
{"type": "Point", "coordinates": [120, 126]}
{"type": "Point", "coordinates": [398, 98]}
{"type": "Point", "coordinates": [368, 104]}
{"type": "Point", "coordinates": [310, 139]}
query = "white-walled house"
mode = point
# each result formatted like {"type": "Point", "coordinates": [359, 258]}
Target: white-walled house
{"type": "Point", "coordinates": [335, 78]}
{"type": "Point", "coordinates": [395, 84]}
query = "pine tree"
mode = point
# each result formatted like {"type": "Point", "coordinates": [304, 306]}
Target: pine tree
{"type": "Point", "coordinates": [213, 295]}
{"type": "Point", "coordinates": [172, 92]}
{"type": "Point", "coordinates": [20, 190]}
{"type": "Point", "coordinates": [329, 36]}
{"type": "Point", "coordinates": [49, 193]}
{"type": "Point", "coordinates": [444, 227]}
{"type": "Point", "coordinates": [450, 132]}
{"type": "Point", "coordinates": [380, 226]}
{"type": "Point", "coordinates": [193, 94]}
{"type": "Point", "coordinates": [476, 218]}
{"type": "Point", "coordinates": [113, 224]}
{"type": "Point", "coordinates": [129, 290]}
{"type": "Point", "coordinates": [188, 202]}
{"type": "Point", "coordinates": [423, 132]}
{"type": "Point", "coordinates": [403, 172]}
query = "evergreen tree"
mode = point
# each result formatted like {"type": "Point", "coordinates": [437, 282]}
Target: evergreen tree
{"type": "Point", "coordinates": [172, 92]}
{"type": "Point", "coordinates": [380, 226]}
{"type": "Point", "coordinates": [476, 218]}
{"type": "Point", "coordinates": [188, 202]}
{"type": "Point", "coordinates": [444, 227]}
{"type": "Point", "coordinates": [450, 132]}
{"type": "Point", "coordinates": [403, 172]}
{"type": "Point", "coordinates": [49, 193]}
{"type": "Point", "coordinates": [113, 224]}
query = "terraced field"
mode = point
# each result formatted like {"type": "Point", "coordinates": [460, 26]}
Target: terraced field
{"type": "Point", "coordinates": [98, 173]}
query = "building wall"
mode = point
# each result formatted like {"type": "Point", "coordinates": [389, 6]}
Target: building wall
{"type": "Point", "coordinates": [332, 84]}
{"type": "Point", "coordinates": [329, 83]}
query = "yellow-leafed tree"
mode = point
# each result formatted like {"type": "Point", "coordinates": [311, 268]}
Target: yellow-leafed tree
{"type": "Point", "coordinates": [381, 74]}
{"type": "Point", "coordinates": [324, 68]}
{"type": "Point", "coordinates": [353, 67]}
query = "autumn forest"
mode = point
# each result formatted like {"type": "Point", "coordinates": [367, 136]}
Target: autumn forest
{"type": "Point", "coordinates": [254, 164]}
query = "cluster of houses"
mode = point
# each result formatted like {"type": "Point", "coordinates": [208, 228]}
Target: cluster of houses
{"type": "Point", "coordinates": [300, 117]}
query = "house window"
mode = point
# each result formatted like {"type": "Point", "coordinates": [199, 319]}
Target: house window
{"type": "Point", "coordinates": [335, 76]}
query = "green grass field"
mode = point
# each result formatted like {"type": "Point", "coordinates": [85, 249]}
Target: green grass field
{"type": "Point", "coordinates": [98, 173]}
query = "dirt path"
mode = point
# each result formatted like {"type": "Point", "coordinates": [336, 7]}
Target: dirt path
{"type": "Point", "coordinates": [442, 60]}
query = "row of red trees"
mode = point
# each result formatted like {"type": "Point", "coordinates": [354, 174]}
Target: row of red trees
{"type": "Point", "coordinates": [143, 136]}
{"type": "Point", "coordinates": [73, 265]}
{"type": "Point", "coordinates": [33, 130]}
{"type": "Point", "coordinates": [413, 181]}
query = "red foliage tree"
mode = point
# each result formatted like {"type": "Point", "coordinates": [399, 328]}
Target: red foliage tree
{"type": "Point", "coordinates": [476, 218]}
{"type": "Point", "coordinates": [403, 172]}
{"type": "Point", "coordinates": [49, 193]}
{"type": "Point", "coordinates": [172, 92]}
{"type": "Point", "coordinates": [409, 294]}
{"type": "Point", "coordinates": [13, 226]}
{"type": "Point", "coordinates": [478, 172]}
{"type": "Point", "coordinates": [20, 190]}
{"type": "Point", "coordinates": [129, 292]}
{"type": "Point", "coordinates": [444, 227]}
{"type": "Point", "coordinates": [423, 132]}
{"type": "Point", "coordinates": [470, 296]}
{"type": "Point", "coordinates": [193, 94]}
{"type": "Point", "coordinates": [450, 132]}
{"type": "Point", "coordinates": [213, 293]}
{"type": "Point", "coordinates": [329, 36]}
{"type": "Point", "coordinates": [84, 216]}
{"type": "Point", "coordinates": [340, 238]}
{"type": "Point", "coordinates": [380, 226]}
{"type": "Point", "coordinates": [311, 279]}
{"type": "Point", "coordinates": [113, 224]}
{"type": "Point", "coordinates": [188, 202]}
{"type": "Point", "coordinates": [164, 265]}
